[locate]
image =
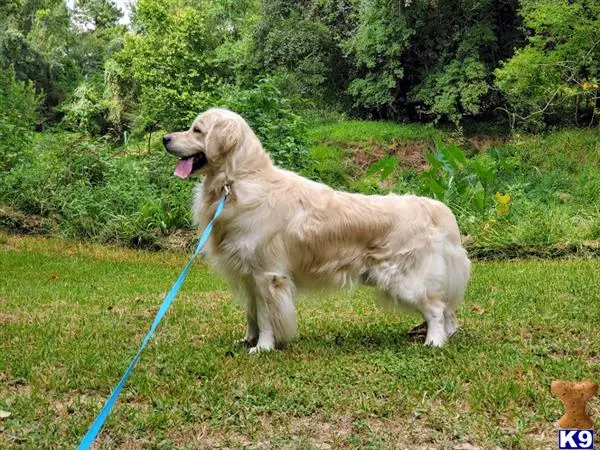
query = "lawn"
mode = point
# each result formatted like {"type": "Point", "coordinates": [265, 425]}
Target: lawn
{"type": "Point", "coordinates": [72, 315]}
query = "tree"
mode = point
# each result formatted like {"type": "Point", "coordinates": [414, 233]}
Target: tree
{"type": "Point", "coordinates": [425, 59]}
{"type": "Point", "coordinates": [18, 116]}
{"type": "Point", "coordinates": [299, 44]}
{"type": "Point", "coordinates": [554, 78]}
{"type": "Point", "coordinates": [167, 78]}
{"type": "Point", "coordinates": [36, 41]}
{"type": "Point", "coordinates": [97, 14]}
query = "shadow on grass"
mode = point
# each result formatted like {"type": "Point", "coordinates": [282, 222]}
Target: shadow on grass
{"type": "Point", "coordinates": [354, 337]}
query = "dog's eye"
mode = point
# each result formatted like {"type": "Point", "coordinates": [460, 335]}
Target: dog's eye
{"type": "Point", "coordinates": [197, 130]}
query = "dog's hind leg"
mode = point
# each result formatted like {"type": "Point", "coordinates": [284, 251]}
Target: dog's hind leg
{"type": "Point", "coordinates": [275, 309]}
{"type": "Point", "coordinates": [432, 307]}
{"type": "Point", "coordinates": [450, 321]}
{"type": "Point", "coordinates": [450, 324]}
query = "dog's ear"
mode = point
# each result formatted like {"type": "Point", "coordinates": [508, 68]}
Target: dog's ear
{"type": "Point", "coordinates": [223, 136]}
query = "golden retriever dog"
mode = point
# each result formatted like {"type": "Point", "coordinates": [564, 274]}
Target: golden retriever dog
{"type": "Point", "coordinates": [281, 234]}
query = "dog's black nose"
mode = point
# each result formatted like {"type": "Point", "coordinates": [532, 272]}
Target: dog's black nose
{"type": "Point", "coordinates": [166, 140]}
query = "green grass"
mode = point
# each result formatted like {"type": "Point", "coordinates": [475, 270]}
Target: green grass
{"type": "Point", "coordinates": [72, 315]}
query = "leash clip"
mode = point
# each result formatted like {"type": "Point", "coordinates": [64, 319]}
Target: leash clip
{"type": "Point", "coordinates": [226, 189]}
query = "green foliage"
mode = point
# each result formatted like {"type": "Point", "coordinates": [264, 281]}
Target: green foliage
{"type": "Point", "coordinates": [88, 191]}
{"type": "Point", "coordinates": [429, 59]}
{"type": "Point", "coordinates": [382, 36]}
{"type": "Point", "coordinates": [164, 72]}
{"type": "Point", "coordinates": [327, 166]}
{"type": "Point", "coordinates": [455, 91]}
{"type": "Point", "coordinates": [165, 79]}
{"type": "Point", "coordinates": [298, 44]}
{"type": "Point", "coordinates": [407, 60]}
{"type": "Point", "coordinates": [19, 101]}
{"type": "Point", "coordinates": [279, 128]}
{"type": "Point", "coordinates": [86, 110]}
{"type": "Point", "coordinates": [383, 168]}
{"type": "Point", "coordinates": [463, 184]}
{"type": "Point", "coordinates": [97, 13]}
{"type": "Point", "coordinates": [18, 115]}
{"type": "Point", "coordinates": [41, 40]}
{"type": "Point", "coordinates": [445, 177]}
{"type": "Point", "coordinates": [376, 175]}
{"type": "Point", "coordinates": [554, 78]}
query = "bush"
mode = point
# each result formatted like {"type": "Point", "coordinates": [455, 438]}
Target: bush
{"type": "Point", "coordinates": [18, 114]}
{"type": "Point", "coordinates": [461, 183]}
{"type": "Point", "coordinates": [163, 79]}
{"type": "Point", "coordinates": [417, 59]}
{"type": "Point", "coordinates": [86, 110]}
{"type": "Point", "coordinates": [454, 91]}
{"type": "Point", "coordinates": [88, 190]}
{"type": "Point", "coordinates": [281, 130]}
{"type": "Point", "coordinates": [554, 79]}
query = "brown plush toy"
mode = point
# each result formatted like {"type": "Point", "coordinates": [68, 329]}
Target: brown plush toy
{"type": "Point", "coordinates": [574, 396]}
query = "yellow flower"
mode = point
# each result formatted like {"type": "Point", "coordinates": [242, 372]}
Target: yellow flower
{"type": "Point", "coordinates": [503, 203]}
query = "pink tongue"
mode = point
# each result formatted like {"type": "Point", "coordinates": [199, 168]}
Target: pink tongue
{"type": "Point", "coordinates": [184, 168]}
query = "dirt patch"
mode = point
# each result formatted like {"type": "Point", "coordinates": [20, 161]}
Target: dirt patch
{"type": "Point", "coordinates": [410, 154]}
{"type": "Point", "coordinates": [366, 154]}
{"type": "Point", "coordinates": [180, 240]}
{"type": "Point", "coordinates": [12, 219]}
{"type": "Point", "coordinates": [482, 142]}
{"type": "Point", "coordinates": [5, 319]}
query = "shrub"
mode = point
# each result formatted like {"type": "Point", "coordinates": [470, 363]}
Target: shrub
{"type": "Point", "coordinates": [281, 130]}
{"type": "Point", "coordinates": [18, 114]}
{"type": "Point", "coordinates": [163, 79]}
{"type": "Point", "coordinates": [89, 190]}
{"type": "Point", "coordinates": [86, 110]}
{"type": "Point", "coordinates": [458, 181]}
{"type": "Point", "coordinates": [554, 79]}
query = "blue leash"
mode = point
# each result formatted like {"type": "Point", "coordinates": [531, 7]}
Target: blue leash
{"type": "Point", "coordinates": [95, 428]}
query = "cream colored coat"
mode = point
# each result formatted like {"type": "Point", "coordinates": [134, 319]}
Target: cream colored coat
{"type": "Point", "coordinates": [281, 233]}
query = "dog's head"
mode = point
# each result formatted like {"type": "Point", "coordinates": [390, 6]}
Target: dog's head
{"type": "Point", "coordinates": [209, 142]}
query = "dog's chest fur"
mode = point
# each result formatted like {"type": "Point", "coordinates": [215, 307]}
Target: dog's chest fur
{"type": "Point", "coordinates": [239, 243]}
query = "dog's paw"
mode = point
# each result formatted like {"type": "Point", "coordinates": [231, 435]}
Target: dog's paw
{"type": "Point", "coordinates": [261, 349]}
{"type": "Point", "coordinates": [435, 341]}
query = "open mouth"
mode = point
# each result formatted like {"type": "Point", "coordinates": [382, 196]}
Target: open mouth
{"type": "Point", "coordinates": [186, 166]}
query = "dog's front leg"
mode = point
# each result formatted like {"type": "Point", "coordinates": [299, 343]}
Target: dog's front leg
{"type": "Point", "coordinates": [275, 310]}
{"type": "Point", "coordinates": [252, 323]}
{"type": "Point", "coordinates": [247, 295]}
{"type": "Point", "coordinates": [266, 336]}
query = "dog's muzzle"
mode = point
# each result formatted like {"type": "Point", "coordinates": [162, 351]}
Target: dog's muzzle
{"type": "Point", "coordinates": [186, 165]}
